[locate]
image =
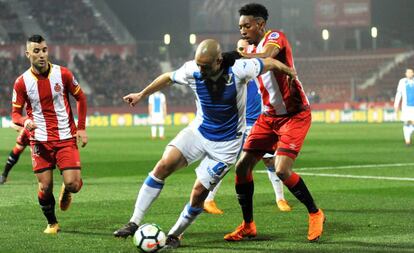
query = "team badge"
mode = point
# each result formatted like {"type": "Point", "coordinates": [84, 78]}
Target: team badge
{"type": "Point", "coordinates": [274, 36]}
{"type": "Point", "coordinates": [58, 88]}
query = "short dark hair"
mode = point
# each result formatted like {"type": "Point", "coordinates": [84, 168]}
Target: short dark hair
{"type": "Point", "coordinates": [255, 10]}
{"type": "Point", "coordinates": [35, 38]}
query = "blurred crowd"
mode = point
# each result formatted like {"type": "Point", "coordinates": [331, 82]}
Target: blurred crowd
{"type": "Point", "coordinates": [112, 77]}
{"type": "Point", "coordinates": [13, 30]}
{"type": "Point", "coordinates": [75, 24]}
{"type": "Point", "coordinates": [108, 79]}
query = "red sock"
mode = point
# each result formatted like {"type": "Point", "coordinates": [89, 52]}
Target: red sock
{"type": "Point", "coordinates": [292, 180]}
{"type": "Point", "coordinates": [17, 151]}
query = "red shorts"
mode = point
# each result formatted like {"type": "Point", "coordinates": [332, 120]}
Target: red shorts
{"type": "Point", "coordinates": [46, 155]}
{"type": "Point", "coordinates": [285, 134]}
{"type": "Point", "coordinates": [23, 139]}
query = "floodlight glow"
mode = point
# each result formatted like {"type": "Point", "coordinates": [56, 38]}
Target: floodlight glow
{"type": "Point", "coordinates": [167, 39]}
{"type": "Point", "coordinates": [193, 38]}
{"type": "Point", "coordinates": [325, 34]}
{"type": "Point", "coordinates": [374, 32]}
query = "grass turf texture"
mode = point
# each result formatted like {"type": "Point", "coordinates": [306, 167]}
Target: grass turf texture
{"type": "Point", "coordinates": [363, 215]}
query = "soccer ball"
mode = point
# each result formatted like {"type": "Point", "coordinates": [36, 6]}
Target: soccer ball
{"type": "Point", "coordinates": [149, 238]}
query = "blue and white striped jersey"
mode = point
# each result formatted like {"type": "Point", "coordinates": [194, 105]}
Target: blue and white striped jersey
{"type": "Point", "coordinates": [405, 93]}
{"type": "Point", "coordinates": [157, 100]}
{"type": "Point", "coordinates": [221, 105]}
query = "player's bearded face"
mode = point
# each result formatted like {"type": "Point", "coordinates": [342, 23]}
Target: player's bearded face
{"type": "Point", "coordinates": [38, 55]}
{"type": "Point", "coordinates": [209, 68]}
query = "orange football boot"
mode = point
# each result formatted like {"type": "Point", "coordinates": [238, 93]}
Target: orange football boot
{"type": "Point", "coordinates": [316, 221]}
{"type": "Point", "coordinates": [52, 229]}
{"type": "Point", "coordinates": [211, 207]}
{"type": "Point", "coordinates": [283, 206]}
{"type": "Point", "coordinates": [244, 230]}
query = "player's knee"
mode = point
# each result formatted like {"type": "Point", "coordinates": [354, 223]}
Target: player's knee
{"type": "Point", "coordinates": [244, 165]}
{"type": "Point", "coordinates": [73, 186]}
{"type": "Point", "coordinates": [45, 188]}
{"type": "Point", "coordinates": [282, 174]}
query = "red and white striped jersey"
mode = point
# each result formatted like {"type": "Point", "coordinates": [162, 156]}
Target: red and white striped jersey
{"type": "Point", "coordinates": [47, 103]}
{"type": "Point", "coordinates": [279, 98]}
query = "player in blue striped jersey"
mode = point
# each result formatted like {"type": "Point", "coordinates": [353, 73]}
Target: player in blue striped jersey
{"type": "Point", "coordinates": [214, 137]}
{"type": "Point", "coordinates": [405, 98]}
{"type": "Point", "coordinates": [253, 110]}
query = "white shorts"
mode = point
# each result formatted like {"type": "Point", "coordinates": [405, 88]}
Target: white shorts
{"type": "Point", "coordinates": [407, 113]}
{"type": "Point", "coordinates": [217, 157]}
{"type": "Point", "coordinates": [157, 119]}
{"type": "Point", "coordinates": [247, 132]}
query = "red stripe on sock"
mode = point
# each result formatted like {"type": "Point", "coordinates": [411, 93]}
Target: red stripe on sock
{"type": "Point", "coordinates": [292, 180]}
{"type": "Point", "coordinates": [41, 195]}
{"type": "Point", "coordinates": [17, 151]}
{"type": "Point", "coordinates": [247, 179]}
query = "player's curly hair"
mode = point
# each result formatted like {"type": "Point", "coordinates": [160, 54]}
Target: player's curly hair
{"type": "Point", "coordinates": [255, 10]}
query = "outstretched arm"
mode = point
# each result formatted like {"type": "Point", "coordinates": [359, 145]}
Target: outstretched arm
{"type": "Point", "coordinates": [159, 83]}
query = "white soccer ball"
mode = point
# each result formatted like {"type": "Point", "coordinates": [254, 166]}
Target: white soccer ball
{"type": "Point", "coordinates": [149, 238]}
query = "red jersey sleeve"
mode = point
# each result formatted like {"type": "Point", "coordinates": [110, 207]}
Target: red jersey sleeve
{"type": "Point", "coordinates": [276, 38]}
{"type": "Point", "coordinates": [18, 101]}
{"type": "Point", "coordinates": [72, 85]}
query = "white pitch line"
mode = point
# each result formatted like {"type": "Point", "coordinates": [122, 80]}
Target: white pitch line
{"type": "Point", "coordinates": [382, 165]}
{"type": "Point", "coordinates": [357, 166]}
{"type": "Point", "coordinates": [354, 167]}
{"type": "Point", "coordinates": [358, 176]}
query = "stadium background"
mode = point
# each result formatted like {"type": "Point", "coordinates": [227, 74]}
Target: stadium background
{"type": "Point", "coordinates": [115, 47]}
{"type": "Point", "coordinates": [360, 173]}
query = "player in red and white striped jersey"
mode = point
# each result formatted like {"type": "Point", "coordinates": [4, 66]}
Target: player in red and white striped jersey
{"type": "Point", "coordinates": [280, 129]}
{"type": "Point", "coordinates": [44, 89]}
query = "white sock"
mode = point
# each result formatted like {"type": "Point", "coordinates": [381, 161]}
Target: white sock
{"type": "Point", "coordinates": [276, 183]}
{"type": "Point", "coordinates": [161, 131]}
{"type": "Point", "coordinates": [153, 131]}
{"type": "Point", "coordinates": [412, 131]}
{"type": "Point", "coordinates": [187, 216]}
{"type": "Point", "coordinates": [407, 130]}
{"type": "Point", "coordinates": [148, 193]}
{"type": "Point", "coordinates": [212, 193]}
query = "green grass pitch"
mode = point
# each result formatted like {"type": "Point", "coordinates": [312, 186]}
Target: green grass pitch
{"type": "Point", "coordinates": [367, 209]}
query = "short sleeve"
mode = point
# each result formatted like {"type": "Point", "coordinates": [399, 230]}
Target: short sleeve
{"type": "Point", "coordinates": [19, 93]}
{"type": "Point", "coordinates": [275, 38]}
{"type": "Point", "coordinates": [70, 81]}
{"type": "Point", "coordinates": [182, 75]}
{"type": "Point", "coordinates": [248, 68]}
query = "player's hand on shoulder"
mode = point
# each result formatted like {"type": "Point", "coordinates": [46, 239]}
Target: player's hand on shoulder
{"type": "Point", "coordinates": [82, 137]}
{"type": "Point", "coordinates": [133, 98]}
